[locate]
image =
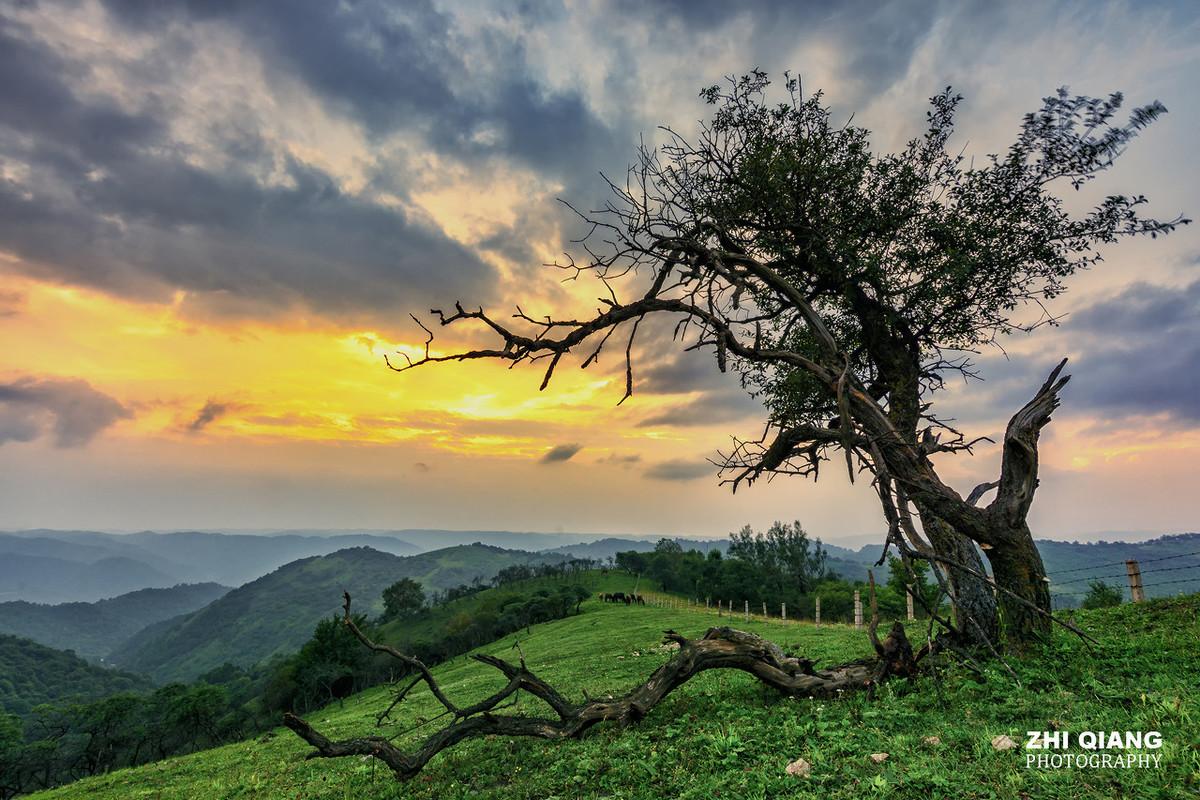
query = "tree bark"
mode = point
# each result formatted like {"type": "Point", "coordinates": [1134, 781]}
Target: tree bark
{"type": "Point", "coordinates": [719, 648]}
{"type": "Point", "coordinates": [1017, 567]}
{"type": "Point", "coordinates": [975, 609]}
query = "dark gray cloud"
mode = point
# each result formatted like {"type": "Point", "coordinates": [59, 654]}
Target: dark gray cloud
{"type": "Point", "coordinates": [680, 470]}
{"type": "Point", "coordinates": [70, 411]}
{"type": "Point", "coordinates": [394, 66]}
{"type": "Point", "coordinates": [208, 414]}
{"type": "Point", "coordinates": [1141, 309]}
{"type": "Point", "coordinates": [876, 40]}
{"type": "Point", "coordinates": [713, 407]}
{"type": "Point", "coordinates": [111, 200]}
{"type": "Point", "coordinates": [1140, 353]}
{"type": "Point", "coordinates": [560, 452]}
{"type": "Point", "coordinates": [1134, 353]}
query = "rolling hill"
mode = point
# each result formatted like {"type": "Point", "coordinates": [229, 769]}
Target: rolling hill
{"type": "Point", "coordinates": [276, 614]}
{"type": "Point", "coordinates": [31, 674]}
{"type": "Point", "coordinates": [93, 630]}
{"type": "Point", "coordinates": [720, 735]}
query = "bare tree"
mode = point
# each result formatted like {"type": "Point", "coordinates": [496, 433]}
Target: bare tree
{"type": "Point", "coordinates": [845, 288]}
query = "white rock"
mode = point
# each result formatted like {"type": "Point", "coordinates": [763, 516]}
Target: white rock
{"type": "Point", "coordinates": [800, 768]}
{"type": "Point", "coordinates": [879, 758]}
{"type": "Point", "coordinates": [1003, 742]}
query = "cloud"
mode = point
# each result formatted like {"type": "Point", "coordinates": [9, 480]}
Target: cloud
{"type": "Point", "coordinates": [680, 470]}
{"type": "Point", "coordinates": [623, 459]}
{"type": "Point", "coordinates": [106, 193]}
{"type": "Point", "coordinates": [560, 452]}
{"type": "Point", "coordinates": [708, 409]}
{"type": "Point", "coordinates": [11, 303]}
{"type": "Point", "coordinates": [208, 414]}
{"type": "Point", "coordinates": [70, 411]}
{"type": "Point", "coordinates": [1140, 353]}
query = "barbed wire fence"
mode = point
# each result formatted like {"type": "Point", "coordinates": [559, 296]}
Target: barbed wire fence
{"type": "Point", "coordinates": [1131, 582]}
{"type": "Point", "coordinates": [1064, 593]}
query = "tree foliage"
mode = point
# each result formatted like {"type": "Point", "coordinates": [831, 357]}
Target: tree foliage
{"type": "Point", "coordinates": [1102, 595]}
{"type": "Point", "coordinates": [402, 598]}
{"type": "Point", "coordinates": [845, 287]}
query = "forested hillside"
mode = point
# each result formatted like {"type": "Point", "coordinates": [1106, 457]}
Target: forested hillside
{"type": "Point", "coordinates": [276, 613]}
{"type": "Point", "coordinates": [93, 630]}
{"type": "Point", "coordinates": [32, 674]}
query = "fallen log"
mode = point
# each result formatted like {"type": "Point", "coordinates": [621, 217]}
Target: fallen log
{"type": "Point", "coordinates": [719, 648]}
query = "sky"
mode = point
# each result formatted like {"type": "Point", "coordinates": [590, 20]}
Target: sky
{"type": "Point", "coordinates": [216, 217]}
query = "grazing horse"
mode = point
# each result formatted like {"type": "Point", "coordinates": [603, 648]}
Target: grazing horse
{"type": "Point", "coordinates": [604, 597]}
{"type": "Point", "coordinates": [637, 598]}
{"type": "Point", "coordinates": [618, 597]}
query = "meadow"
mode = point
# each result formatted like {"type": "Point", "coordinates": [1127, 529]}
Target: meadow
{"type": "Point", "coordinates": [723, 735]}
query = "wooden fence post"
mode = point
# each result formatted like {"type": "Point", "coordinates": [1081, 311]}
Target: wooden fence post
{"type": "Point", "coordinates": [1135, 581]}
{"type": "Point", "coordinates": [747, 610]}
{"type": "Point", "coordinates": [764, 608]}
{"type": "Point", "coordinates": [911, 616]}
{"type": "Point", "coordinates": [784, 609]}
{"type": "Point", "coordinates": [818, 611]}
{"type": "Point", "coordinates": [857, 610]}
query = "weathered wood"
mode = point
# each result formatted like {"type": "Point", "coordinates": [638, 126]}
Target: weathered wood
{"type": "Point", "coordinates": [1135, 581]}
{"type": "Point", "coordinates": [719, 648]}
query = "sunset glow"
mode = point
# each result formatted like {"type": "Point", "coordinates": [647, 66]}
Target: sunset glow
{"type": "Point", "coordinates": [211, 285]}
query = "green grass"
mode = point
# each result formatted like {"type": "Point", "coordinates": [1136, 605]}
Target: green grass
{"type": "Point", "coordinates": [723, 735]}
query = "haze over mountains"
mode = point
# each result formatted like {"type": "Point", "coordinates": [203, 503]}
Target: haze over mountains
{"type": "Point", "coordinates": [276, 614]}
{"type": "Point", "coordinates": [93, 629]}
{"type": "Point", "coordinates": [286, 582]}
{"type": "Point", "coordinates": [43, 566]}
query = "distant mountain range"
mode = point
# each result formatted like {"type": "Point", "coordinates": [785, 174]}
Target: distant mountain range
{"type": "Point", "coordinates": [93, 629]}
{"type": "Point", "coordinates": [42, 566]}
{"type": "Point", "coordinates": [276, 613]}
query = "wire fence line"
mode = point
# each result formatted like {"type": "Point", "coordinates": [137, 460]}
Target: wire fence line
{"type": "Point", "coordinates": [1120, 563]}
{"type": "Point", "coordinates": [1132, 587]}
{"type": "Point", "coordinates": [805, 613]}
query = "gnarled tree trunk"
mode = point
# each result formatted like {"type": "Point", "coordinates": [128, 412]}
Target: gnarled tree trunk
{"type": "Point", "coordinates": [975, 610]}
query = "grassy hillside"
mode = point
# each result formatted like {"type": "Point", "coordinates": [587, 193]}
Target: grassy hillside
{"type": "Point", "coordinates": [722, 736]}
{"type": "Point", "coordinates": [31, 674]}
{"type": "Point", "coordinates": [276, 614]}
{"type": "Point", "coordinates": [93, 630]}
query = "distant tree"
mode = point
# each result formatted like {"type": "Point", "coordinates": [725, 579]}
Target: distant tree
{"type": "Point", "coordinates": [845, 287]}
{"type": "Point", "coordinates": [784, 556]}
{"type": "Point", "coordinates": [665, 545]}
{"type": "Point", "coordinates": [403, 598]}
{"type": "Point", "coordinates": [1102, 595]}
